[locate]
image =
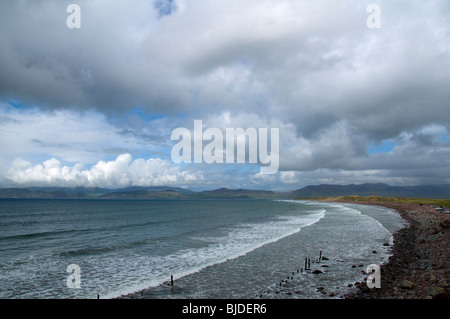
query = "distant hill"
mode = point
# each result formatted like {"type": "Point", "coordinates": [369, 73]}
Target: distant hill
{"type": "Point", "coordinates": [166, 192]}
{"type": "Point", "coordinates": [40, 193]}
{"type": "Point", "coordinates": [421, 191]}
{"type": "Point", "coordinates": [225, 193]}
{"type": "Point", "coordinates": [152, 193]}
{"type": "Point", "coordinates": [157, 192]}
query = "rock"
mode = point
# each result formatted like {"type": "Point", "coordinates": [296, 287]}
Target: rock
{"type": "Point", "coordinates": [406, 284]}
{"type": "Point", "coordinates": [353, 266]}
{"type": "Point", "coordinates": [317, 272]}
{"type": "Point", "coordinates": [360, 265]}
{"type": "Point", "coordinates": [320, 288]}
{"type": "Point", "coordinates": [443, 283]}
{"type": "Point", "coordinates": [445, 224]}
{"type": "Point", "coordinates": [374, 252]}
{"type": "Point", "coordinates": [325, 258]}
{"type": "Point", "coordinates": [432, 279]}
{"type": "Point", "coordinates": [437, 293]}
{"type": "Point", "coordinates": [386, 244]}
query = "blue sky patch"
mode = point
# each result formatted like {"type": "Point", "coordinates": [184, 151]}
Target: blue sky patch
{"type": "Point", "coordinates": [384, 147]}
{"type": "Point", "coordinates": [165, 7]}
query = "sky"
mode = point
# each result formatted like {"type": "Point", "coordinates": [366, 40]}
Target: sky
{"type": "Point", "coordinates": [96, 106]}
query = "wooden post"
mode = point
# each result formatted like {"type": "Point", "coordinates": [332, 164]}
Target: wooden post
{"type": "Point", "coordinates": [320, 256]}
{"type": "Point", "coordinates": [309, 264]}
{"type": "Point", "coordinates": [306, 263]}
{"type": "Point", "coordinates": [171, 280]}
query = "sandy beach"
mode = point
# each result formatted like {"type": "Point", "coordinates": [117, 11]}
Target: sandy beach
{"type": "Point", "coordinates": [419, 265]}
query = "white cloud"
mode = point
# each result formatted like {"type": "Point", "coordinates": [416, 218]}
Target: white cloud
{"type": "Point", "coordinates": [76, 136]}
{"type": "Point", "coordinates": [290, 177]}
{"type": "Point", "coordinates": [121, 172]}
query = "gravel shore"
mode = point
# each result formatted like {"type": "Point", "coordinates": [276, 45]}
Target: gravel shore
{"type": "Point", "coordinates": [419, 267]}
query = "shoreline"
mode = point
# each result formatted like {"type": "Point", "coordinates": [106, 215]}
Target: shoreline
{"type": "Point", "coordinates": [419, 267]}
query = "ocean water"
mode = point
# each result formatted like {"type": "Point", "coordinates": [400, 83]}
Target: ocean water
{"type": "Point", "coordinates": [212, 248]}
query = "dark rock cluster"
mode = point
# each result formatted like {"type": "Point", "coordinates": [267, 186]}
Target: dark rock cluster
{"type": "Point", "coordinates": [419, 265]}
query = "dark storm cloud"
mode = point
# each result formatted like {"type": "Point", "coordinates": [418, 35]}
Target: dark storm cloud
{"type": "Point", "coordinates": [98, 66]}
{"type": "Point", "coordinates": [316, 63]}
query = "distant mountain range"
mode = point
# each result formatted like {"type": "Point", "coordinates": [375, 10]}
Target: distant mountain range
{"type": "Point", "coordinates": [162, 192]}
{"type": "Point", "coordinates": [384, 190]}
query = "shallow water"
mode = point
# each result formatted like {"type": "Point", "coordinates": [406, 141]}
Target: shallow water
{"type": "Point", "coordinates": [214, 249]}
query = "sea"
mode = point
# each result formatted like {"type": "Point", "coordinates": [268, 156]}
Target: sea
{"type": "Point", "coordinates": [211, 249]}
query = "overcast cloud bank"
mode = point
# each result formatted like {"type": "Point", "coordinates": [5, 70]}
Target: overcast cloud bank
{"type": "Point", "coordinates": [96, 105]}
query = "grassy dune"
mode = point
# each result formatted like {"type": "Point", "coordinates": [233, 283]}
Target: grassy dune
{"type": "Point", "coordinates": [354, 198]}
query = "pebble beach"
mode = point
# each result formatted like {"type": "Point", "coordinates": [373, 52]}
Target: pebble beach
{"type": "Point", "coordinates": [419, 266]}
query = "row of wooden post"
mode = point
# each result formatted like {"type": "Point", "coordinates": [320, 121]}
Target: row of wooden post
{"type": "Point", "coordinates": [307, 264]}
{"type": "Point", "coordinates": [308, 261]}
{"type": "Point", "coordinates": [307, 267]}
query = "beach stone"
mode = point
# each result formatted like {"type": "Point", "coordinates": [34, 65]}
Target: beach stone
{"type": "Point", "coordinates": [432, 279]}
{"type": "Point", "coordinates": [437, 292]}
{"type": "Point", "coordinates": [317, 272]}
{"type": "Point", "coordinates": [406, 284]}
{"type": "Point", "coordinates": [325, 258]}
{"type": "Point", "coordinates": [445, 224]}
{"type": "Point", "coordinates": [443, 283]}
